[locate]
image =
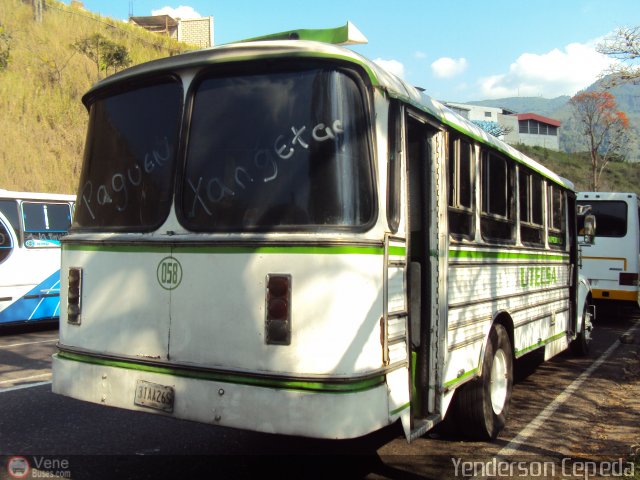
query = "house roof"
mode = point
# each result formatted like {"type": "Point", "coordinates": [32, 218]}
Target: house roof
{"type": "Point", "coordinates": [539, 118]}
{"type": "Point", "coordinates": [155, 22]}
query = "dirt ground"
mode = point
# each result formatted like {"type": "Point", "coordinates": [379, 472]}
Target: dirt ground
{"type": "Point", "coordinates": [614, 414]}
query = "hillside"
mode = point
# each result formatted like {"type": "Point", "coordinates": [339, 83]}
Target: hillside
{"type": "Point", "coordinates": [42, 119]}
{"type": "Point", "coordinates": [539, 105]}
{"type": "Point", "coordinates": [571, 140]}
{"type": "Point", "coordinates": [618, 176]}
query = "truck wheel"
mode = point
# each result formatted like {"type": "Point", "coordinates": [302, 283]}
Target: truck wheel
{"type": "Point", "coordinates": [483, 403]}
{"type": "Point", "coordinates": [580, 345]}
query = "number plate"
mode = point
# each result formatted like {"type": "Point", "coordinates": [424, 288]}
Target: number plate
{"type": "Point", "coordinates": [153, 395]}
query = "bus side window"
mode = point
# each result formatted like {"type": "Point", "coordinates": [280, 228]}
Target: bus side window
{"type": "Point", "coordinates": [497, 220]}
{"type": "Point", "coordinates": [9, 208]}
{"type": "Point", "coordinates": [557, 218]}
{"type": "Point", "coordinates": [531, 209]}
{"type": "Point", "coordinates": [393, 172]}
{"type": "Point", "coordinates": [45, 221]}
{"type": "Point", "coordinates": [6, 245]}
{"type": "Point", "coordinates": [460, 172]}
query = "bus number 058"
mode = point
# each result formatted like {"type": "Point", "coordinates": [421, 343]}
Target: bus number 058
{"type": "Point", "coordinates": [169, 273]}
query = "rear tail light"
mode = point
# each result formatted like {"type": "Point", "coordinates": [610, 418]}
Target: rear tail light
{"type": "Point", "coordinates": [74, 295]}
{"type": "Point", "coordinates": [630, 279]}
{"type": "Point", "coordinates": [278, 310]}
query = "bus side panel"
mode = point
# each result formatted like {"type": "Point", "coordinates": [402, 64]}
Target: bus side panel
{"type": "Point", "coordinates": [29, 285]}
{"type": "Point", "coordinates": [40, 303]}
{"type": "Point", "coordinates": [534, 294]}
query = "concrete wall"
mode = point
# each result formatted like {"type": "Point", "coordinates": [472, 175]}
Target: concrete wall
{"type": "Point", "coordinates": [196, 31]}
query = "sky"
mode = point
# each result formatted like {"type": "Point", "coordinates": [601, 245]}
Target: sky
{"type": "Point", "coordinates": [457, 50]}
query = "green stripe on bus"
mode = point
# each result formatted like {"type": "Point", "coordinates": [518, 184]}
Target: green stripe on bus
{"type": "Point", "coordinates": [541, 343]}
{"type": "Point", "coordinates": [479, 254]}
{"type": "Point", "coordinates": [346, 386]}
{"type": "Point", "coordinates": [464, 376]}
{"type": "Point", "coordinates": [300, 249]}
{"type": "Point", "coordinates": [517, 353]}
{"type": "Point", "coordinates": [400, 408]}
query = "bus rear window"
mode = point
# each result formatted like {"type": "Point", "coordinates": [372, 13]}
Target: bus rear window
{"type": "Point", "coordinates": [130, 155]}
{"type": "Point", "coordinates": [278, 151]}
{"type": "Point", "coordinates": [611, 217]}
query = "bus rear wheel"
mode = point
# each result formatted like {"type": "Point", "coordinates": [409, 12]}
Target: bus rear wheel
{"type": "Point", "coordinates": [483, 403]}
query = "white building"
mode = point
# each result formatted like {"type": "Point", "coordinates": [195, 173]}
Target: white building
{"type": "Point", "coordinates": [194, 31]}
{"type": "Point", "coordinates": [524, 128]}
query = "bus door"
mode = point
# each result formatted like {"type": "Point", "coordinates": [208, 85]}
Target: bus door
{"type": "Point", "coordinates": [423, 216]}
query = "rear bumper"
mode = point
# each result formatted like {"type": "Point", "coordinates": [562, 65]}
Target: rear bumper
{"type": "Point", "coordinates": [614, 294]}
{"type": "Point", "coordinates": [318, 414]}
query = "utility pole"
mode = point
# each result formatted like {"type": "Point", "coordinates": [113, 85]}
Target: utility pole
{"type": "Point", "coordinates": [37, 10]}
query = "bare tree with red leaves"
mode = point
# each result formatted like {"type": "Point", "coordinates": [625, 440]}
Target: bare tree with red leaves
{"type": "Point", "coordinates": [606, 129]}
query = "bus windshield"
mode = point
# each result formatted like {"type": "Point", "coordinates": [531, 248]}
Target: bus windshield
{"type": "Point", "coordinates": [277, 151]}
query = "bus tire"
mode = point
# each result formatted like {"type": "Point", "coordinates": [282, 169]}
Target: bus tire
{"type": "Point", "coordinates": [580, 345]}
{"type": "Point", "coordinates": [483, 403]}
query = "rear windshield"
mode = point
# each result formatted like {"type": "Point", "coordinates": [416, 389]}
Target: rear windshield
{"type": "Point", "coordinates": [129, 161]}
{"type": "Point", "coordinates": [611, 217]}
{"type": "Point", "coordinates": [278, 151]}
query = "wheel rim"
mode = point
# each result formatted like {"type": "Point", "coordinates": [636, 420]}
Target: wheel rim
{"type": "Point", "coordinates": [499, 383]}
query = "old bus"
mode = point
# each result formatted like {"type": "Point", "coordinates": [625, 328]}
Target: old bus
{"type": "Point", "coordinates": [31, 225]}
{"type": "Point", "coordinates": [612, 261]}
{"type": "Point", "coordinates": [279, 235]}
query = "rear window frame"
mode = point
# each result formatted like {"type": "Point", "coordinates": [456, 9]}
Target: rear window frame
{"type": "Point", "coordinates": [277, 65]}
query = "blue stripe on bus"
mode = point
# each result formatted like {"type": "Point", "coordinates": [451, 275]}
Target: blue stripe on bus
{"type": "Point", "coordinates": [40, 303]}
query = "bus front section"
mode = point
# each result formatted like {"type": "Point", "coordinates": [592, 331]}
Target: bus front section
{"type": "Point", "coordinates": [223, 265]}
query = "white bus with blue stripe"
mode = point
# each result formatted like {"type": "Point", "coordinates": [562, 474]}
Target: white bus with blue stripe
{"type": "Point", "coordinates": [279, 235]}
{"type": "Point", "coordinates": [31, 225]}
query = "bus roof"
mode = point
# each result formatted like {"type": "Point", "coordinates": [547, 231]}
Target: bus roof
{"type": "Point", "coordinates": [378, 76]}
{"type": "Point", "coordinates": [36, 196]}
{"type": "Point", "coordinates": [606, 195]}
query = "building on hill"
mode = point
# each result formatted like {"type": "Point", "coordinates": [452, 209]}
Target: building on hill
{"type": "Point", "coordinates": [194, 31]}
{"type": "Point", "coordinates": [523, 128]}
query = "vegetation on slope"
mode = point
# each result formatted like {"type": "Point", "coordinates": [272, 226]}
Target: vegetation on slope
{"type": "Point", "coordinates": [618, 176]}
{"type": "Point", "coordinates": [42, 119]}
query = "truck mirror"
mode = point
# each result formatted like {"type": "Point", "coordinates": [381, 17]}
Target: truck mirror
{"type": "Point", "coordinates": [589, 230]}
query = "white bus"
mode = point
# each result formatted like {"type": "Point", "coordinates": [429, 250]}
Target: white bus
{"type": "Point", "coordinates": [281, 236]}
{"type": "Point", "coordinates": [31, 225]}
{"type": "Point", "coordinates": [612, 262]}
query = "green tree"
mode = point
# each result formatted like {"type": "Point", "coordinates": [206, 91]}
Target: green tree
{"type": "Point", "coordinates": [494, 128]}
{"type": "Point", "coordinates": [116, 57]}
{"type": "Point", "coordinates": [103, 52]}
